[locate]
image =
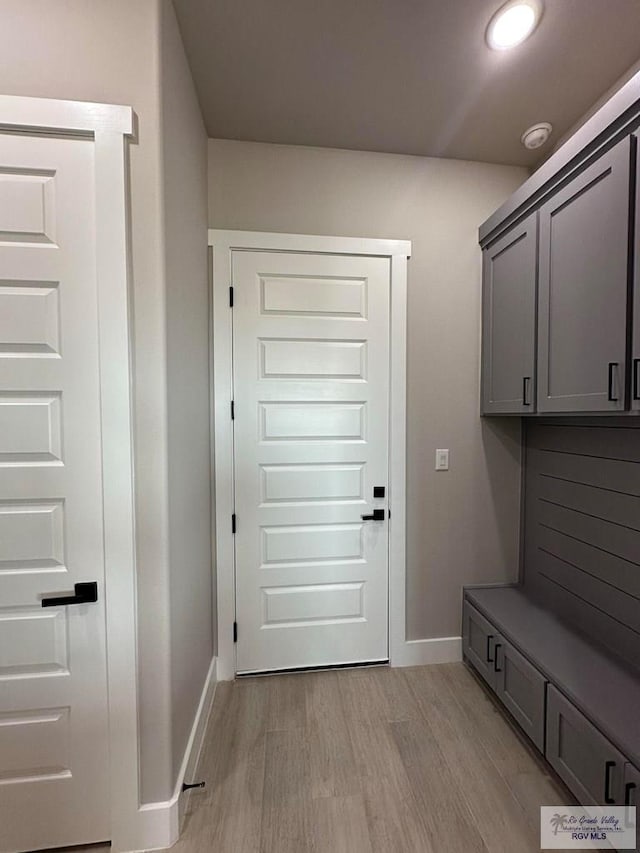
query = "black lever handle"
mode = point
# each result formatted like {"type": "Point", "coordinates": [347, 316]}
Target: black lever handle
{"type": "Point", "coordinates": [85, 593]}
{"type": "Point", "coordinates": [376, 515]}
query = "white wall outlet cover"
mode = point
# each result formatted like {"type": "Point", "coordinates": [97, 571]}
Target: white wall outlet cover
{"type": "Point", "coordinates": [442, 460]}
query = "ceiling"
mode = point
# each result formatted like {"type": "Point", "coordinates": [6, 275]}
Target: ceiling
{"type": "Point", "coordinates": [402, 76]}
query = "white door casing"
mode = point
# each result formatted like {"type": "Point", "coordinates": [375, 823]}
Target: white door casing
{"type": "Point", "coordinates": [311, 393]}
{"type": "Point", "coordinates": [396, 253]}
{"type": "Point", "coordinates": [66, 500]}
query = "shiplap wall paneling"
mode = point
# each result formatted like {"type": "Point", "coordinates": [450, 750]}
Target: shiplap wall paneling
{"type": "Point", "coordinates": [582, 527]}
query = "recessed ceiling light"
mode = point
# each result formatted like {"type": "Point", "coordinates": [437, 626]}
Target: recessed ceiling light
{"type": "Point", "coordinates": [513, 23]}
{"type": "Point", "coordinates": [536, 135]}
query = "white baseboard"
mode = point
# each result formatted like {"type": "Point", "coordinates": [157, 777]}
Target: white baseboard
{"type": "Point", "coordinates": [196, 740]}
{"type": "Point", "coordinates": [157, 825]}
{"type": "Point", "coordinates": [421, 652]}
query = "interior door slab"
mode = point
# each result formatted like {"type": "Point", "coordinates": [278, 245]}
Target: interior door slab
{"type": "Point", "coordinates": [311, 392]}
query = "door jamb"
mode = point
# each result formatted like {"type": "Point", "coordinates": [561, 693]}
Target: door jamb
{"type": "Point", "coordinates": [110, 127]}
{"type": "Point", "coordinates": [222, 243]}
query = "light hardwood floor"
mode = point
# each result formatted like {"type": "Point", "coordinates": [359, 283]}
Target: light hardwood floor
{"type": "Point", "coordinates": [377, 760]}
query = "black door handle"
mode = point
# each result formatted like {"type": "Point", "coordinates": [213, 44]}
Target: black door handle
{"type": "Point", "coordinates": [608, 767]}
{"type": "Point", "coordinates": [376, 515]}
{"type": "Point", "coordinates": [85, 593]}
{"type": "Point", "coordinates": [526, 381]}
{"type": "Point", "coordinates": [636, 378]}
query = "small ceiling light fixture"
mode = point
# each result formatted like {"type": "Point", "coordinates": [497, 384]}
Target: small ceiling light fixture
{"type": "Point", "coordinates": [536, 135]}
{"type": "Point", "coordinates": [513, 23]}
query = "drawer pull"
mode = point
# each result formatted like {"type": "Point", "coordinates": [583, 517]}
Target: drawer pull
{"type": "Point", "coordinates": [608, 767]}
{"type": "Point", "coordinates": [612, 395]}
{"type": "Point", "coordinates": [489, 638]}
{"type": "Point", "coordinates": [496, 668]}
{"type": "Point", "coordinates": [628, 789]}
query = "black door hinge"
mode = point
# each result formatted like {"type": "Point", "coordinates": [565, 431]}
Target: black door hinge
{"type": "Point", "coordinates": [231, 297]}
{"type": "Point", "coordinates": [233, 410]}
{"type": "Point", "coordinates": [235, 632]}
{"type": "Point", "coordinates": [233, 523]}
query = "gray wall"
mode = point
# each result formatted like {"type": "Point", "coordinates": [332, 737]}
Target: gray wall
{"type": "Point", "coordinates": [111, 52]}
{"type": "Point", "coordinates": [184, 158]}
{"type": "Point", "coordinates": [462, 525]}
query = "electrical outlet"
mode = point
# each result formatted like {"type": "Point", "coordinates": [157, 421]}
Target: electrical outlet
{"type": "Point", "coordinates": [442, 460]}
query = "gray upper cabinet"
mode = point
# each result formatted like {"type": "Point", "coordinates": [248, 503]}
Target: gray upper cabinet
{"type": "Point", "coordinates": [509, 321]}
{"type": "Point", "coordinates": [583, 289]}
{"type": "Point", "coordinates": [635, 348]}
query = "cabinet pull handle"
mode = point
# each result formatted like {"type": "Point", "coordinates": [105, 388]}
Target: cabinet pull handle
{"type": "Point", "coordinates": [496, 668]}
{"type": "Point", "coordinates": [628, 788]}
{"type": "Point", "coordinates": [489, 638]}
{"type": "Point", "coordinates": [526, 381]}
{"type": "Point", "coordinates": [613, 369]}
{"type": "Point", "coordinates": [608, 767]}
{"type": "Point", "coordinates": [636, 378]}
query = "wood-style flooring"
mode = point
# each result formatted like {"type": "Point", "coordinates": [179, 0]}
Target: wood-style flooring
{"type": "Point", "coordinates": [376, 760]}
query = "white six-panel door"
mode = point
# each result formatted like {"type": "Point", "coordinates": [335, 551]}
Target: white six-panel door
{"type": "Point", "coordinates": [311, 392]}
{"type": "Point", "coordinates": [54, 761]}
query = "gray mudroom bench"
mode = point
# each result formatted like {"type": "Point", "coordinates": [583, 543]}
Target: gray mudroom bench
{"type": "Point", "coordinates": [561, 350]}
{"type": "Point", "coordinates": [579, 703]}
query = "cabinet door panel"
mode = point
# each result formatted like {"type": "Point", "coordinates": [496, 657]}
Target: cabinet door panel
{"type": "Point", "coordinates": [509, 321]}
{"type": "Point", "coordinates": [583, 758]}
{"type": "Point", "coordinates": [521, 688]}
{"type": "Point", "coordinates": [478, 643]}
{"type": "Point", "coordinates": [635, 349]}
{"type": "Point", "coordinates": [583, 284]}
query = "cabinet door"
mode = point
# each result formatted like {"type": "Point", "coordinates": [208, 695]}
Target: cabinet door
{"type": "Point", "coordinates": [522, 690]}
{"type": "Point", "coordinates": [635, 349]}
{"type": "Point", "coordinates": [632, 794]}
{"type": "Point", "coordinates": [478, 643]}
{"type": "Point", "coordinates": [509, 321]}
{"type": "Point", "coordinates": [583, 758]}
{"type": "Point", "coordinates": [582, 289]}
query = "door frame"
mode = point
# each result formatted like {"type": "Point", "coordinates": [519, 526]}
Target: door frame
{"type": "Point", "coordinates": [222, 243]}
{"type": "Point", "coordinates": [110, 127]}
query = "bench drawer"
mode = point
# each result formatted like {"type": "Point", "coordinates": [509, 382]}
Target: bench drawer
{"type": "Point", "coordinates": [521, 688]}
{"type": "Point", "coordinates": [585, 760]}
{"type": "Point", "coordinates": [478, 642]}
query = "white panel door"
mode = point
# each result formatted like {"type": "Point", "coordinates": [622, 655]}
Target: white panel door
{"type": "Point", "coordinates": [53, 700]}
{"type": "Point", "coordinates": [311, 391]}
